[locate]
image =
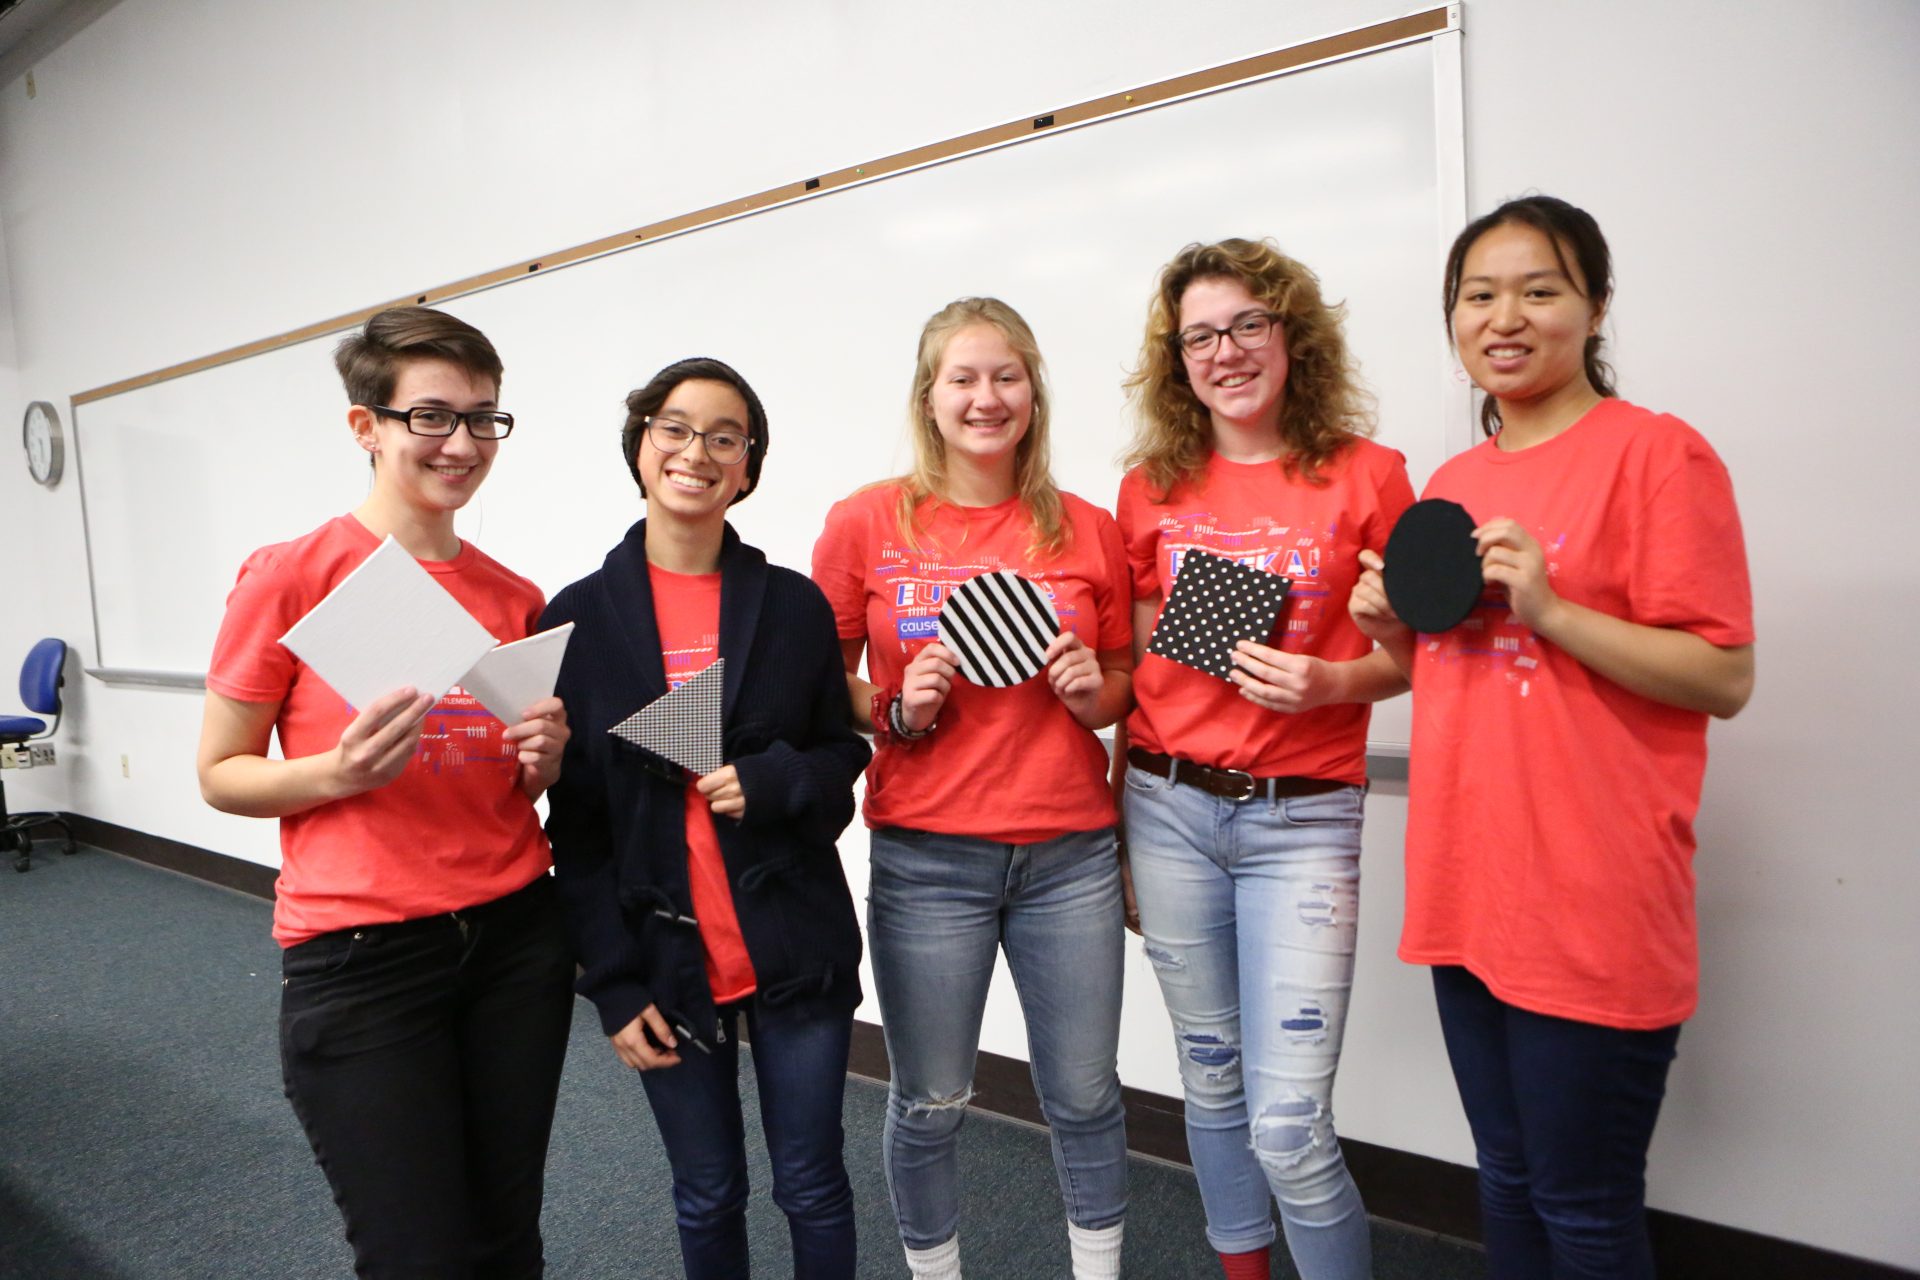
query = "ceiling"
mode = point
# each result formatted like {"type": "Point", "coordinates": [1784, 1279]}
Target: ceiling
{"type": "Point", "coordinates": [31, 29]}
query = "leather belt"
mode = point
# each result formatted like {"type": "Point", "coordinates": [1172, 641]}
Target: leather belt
{"type": "Point", "coordinates": [1228, 784]}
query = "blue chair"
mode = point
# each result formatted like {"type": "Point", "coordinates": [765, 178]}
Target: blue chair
{"type": "Point", "coordinates": [42, 676]}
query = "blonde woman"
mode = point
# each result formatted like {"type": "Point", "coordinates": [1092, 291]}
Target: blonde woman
{"type": "Point", "coordinates": [992, 822]}
{"type": "Point", "coordinates": [1243, 799]}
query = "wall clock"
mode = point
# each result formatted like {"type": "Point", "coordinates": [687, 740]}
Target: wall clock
{"type": "Point", "coordinates": [46, 443]}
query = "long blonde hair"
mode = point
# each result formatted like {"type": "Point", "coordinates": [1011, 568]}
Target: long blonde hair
{"type": "Point", "coordinates": [1033, 473]}
{"type": "Point", "coordinates": [1325, 408]}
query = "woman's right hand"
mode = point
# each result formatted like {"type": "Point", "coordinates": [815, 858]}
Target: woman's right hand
{"type": "Point", "coordinates": [642, 1054]}
{"type": "Point", "coordinates": [1368, 604]}
{"type": "Point", "coordinates": [376, 746]}
{"type": "Point", "coordinates": [925, 685]}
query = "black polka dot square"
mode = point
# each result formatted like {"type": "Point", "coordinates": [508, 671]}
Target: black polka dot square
{"type": "Point", "coordinates": [1216, 603]}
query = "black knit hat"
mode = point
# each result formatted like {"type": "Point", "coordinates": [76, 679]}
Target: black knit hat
{"type": "Point", "coordinates": [647, 400]}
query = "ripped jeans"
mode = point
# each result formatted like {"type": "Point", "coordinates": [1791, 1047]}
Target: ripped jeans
{"type": "Point", "coordinates": [1249, 910]}
{"type": "Point", "coordinates": [939, 909]}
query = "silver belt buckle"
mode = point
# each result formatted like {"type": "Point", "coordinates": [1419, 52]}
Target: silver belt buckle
{"type": "Point", "coordinates": [1248, 784]}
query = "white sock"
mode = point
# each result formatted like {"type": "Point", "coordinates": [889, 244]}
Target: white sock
{"type": "Point", "coordinates": [1096, 1254]}
{"type": "Point", "coordinates": [942, 1262]}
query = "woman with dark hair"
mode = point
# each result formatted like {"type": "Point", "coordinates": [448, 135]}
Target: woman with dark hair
{"type": "Point", "coordinates": [425, 983]}
{"type": "Point", "coordinates": [1559, 742]}
{"type": "Point", "coordinates": [1244, 799]}
{"type": "Point", "coordinates": [696, 902]}
{"type": "Point", "coordinates": [992, 822]}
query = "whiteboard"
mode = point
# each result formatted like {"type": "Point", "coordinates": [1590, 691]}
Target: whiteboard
{"type": "Point", "coordinates": [1355, 167]}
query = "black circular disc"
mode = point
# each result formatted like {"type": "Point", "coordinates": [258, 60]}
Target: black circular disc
{"type": "Point", "coordinates": [1433, 573]}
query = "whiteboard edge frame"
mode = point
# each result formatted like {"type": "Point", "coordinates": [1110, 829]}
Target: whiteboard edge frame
{"type": "Point", "coordinates": [1450, 179]}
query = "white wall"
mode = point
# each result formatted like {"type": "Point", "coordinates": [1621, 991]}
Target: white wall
{"type": "Point", "coordinates": [195, 174]}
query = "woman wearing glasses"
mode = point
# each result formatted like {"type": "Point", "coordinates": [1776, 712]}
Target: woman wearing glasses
{"type": "Point", "coordinates": [1560, 740]}
{"type": "Point", "coordinates": [426, 990]}
{"type": "Point", "coordinates": [992, 823]}
{"type": "Point", "coordinates": [698, 902]}
{"type": "Point", "coordinates": [1243, 798]}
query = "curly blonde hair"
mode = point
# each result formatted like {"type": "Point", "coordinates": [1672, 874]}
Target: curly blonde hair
{"type": "Point", "coordinates": [1033, 473]}
{"type": "Point", "coordinates": [1325, 408]}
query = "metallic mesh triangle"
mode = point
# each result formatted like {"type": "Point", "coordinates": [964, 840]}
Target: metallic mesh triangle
{"type": "Point", "coordinates": [683, 725]}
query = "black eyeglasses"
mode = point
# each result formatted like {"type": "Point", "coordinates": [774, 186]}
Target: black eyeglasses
{"type": "Point", "coordinates": [725, 446]}
{"type": "Point", "coordinates": [1199, 341]}
{"type": "Point", "coordinates": [427, 420]}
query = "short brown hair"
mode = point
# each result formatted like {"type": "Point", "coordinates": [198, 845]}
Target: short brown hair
{"type": "Point", "coordinates": [643, 403]}
{"type": "Point", "coordinates": [369, 361]}
{"type": "Point", "coordinates": [1325, 409]}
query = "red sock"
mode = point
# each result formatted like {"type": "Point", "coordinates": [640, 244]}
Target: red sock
{"type": "Point", "coordinates": [1246, 1266]}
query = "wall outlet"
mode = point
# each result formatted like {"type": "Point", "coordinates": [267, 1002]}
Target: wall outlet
{"type": "Point", "coordinates": [124, 771]}
{"type": "Point", "coordinates": [41, 753]}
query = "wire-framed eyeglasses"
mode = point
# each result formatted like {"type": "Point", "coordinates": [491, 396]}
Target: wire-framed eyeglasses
{"type": "Point", "coordinates": [1199, 341]}
{"type": "Point", "coordinates": [431, 420]}
{"type": "Point", "coordinates": [724, 445]}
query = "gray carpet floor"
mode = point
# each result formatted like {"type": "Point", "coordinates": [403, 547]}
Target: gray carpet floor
{"type": "Point", "coordinates": [143, 1133]}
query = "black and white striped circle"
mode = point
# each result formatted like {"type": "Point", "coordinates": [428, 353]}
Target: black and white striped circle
{"type": "Point", "coordinates": [999, 625]}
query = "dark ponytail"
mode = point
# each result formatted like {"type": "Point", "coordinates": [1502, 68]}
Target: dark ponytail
{"type": "Point", "coordinates": [1566, 228]}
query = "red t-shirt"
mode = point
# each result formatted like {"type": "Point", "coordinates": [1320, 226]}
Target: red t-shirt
{"type": "Point", "coordinates": [1257, 514]}
{"type": "Point", "coordinates": [1550, 817]}
{"type": "Point", "coordinates": [454, 829]}
{"type": "Point", "coordinates": [1004, 764]}
{"type": "Point", "coordinates": [686, 608]}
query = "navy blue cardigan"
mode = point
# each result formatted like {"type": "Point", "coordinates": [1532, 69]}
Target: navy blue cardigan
{"type": "Point", "coordinates": [618, 818]}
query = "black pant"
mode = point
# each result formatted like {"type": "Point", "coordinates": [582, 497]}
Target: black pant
{"type": "Point", "coordinates": [423, 1059]}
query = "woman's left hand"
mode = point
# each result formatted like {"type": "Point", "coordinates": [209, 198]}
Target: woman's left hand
{"type": "Point", "coordinates": [1282, 681]}
{"type": "Point", "coordinates": [723, 792]}
{"type": "Point", "coordinates": [1073, 671]}
{"type": "Point", "coordinates": [1511, 557]}
{"type": "Point", "coordinates": [1130, 904]}
{"type": "Point", "coordinates": [540, 739]}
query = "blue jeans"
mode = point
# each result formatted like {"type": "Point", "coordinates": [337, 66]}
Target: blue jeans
{"type": "Point", "coordinates": [938, 909]}
{"type": "Point", "coordinates": [800, 1066]}
{"type": "Point", "coordinates": [1562, 1113]}
{"type": "Point", "coordinates": [1249, 910]}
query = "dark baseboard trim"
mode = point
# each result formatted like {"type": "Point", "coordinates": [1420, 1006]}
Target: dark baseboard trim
{"type": "Point", "coordinates": [1398, 1186]}
{"type": "Point", "coordinates": [1413, 1190]}
{"type": "Point", "coordinates": [202, 864]}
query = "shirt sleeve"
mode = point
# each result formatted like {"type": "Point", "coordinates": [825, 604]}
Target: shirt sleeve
{"type": "Point", "coordinates": [249, 663]}
{"type": "Point", "coordinates": [1139, 535]}
{"type": "Point", "coordinates": [1113, 599]}
{"type": "Point", "coordinates": [1688, 563]}
{"type": "Point", "coordinates": [1395, 495]}
{"type": "Point", "coordinates": [839, 569]}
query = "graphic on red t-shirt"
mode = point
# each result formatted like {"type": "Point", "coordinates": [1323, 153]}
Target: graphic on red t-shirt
{"type": "Point", "coordinates": [454, 829]}
{"type": "Point", "coordinates": [1261, 516]}
{"type": "Point", "coordinates": [1550, 813]}
{"type": "Point", "coordinates": [1009, 764]}
{"type": "Point", "coordinates": [1266, 544]}
{"type": "Point", "coordinates": [686, 609]}
{"type": "Point", "coordinates": [460, 733]}
{"type": "Point", "coordinates": [918, 586]}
